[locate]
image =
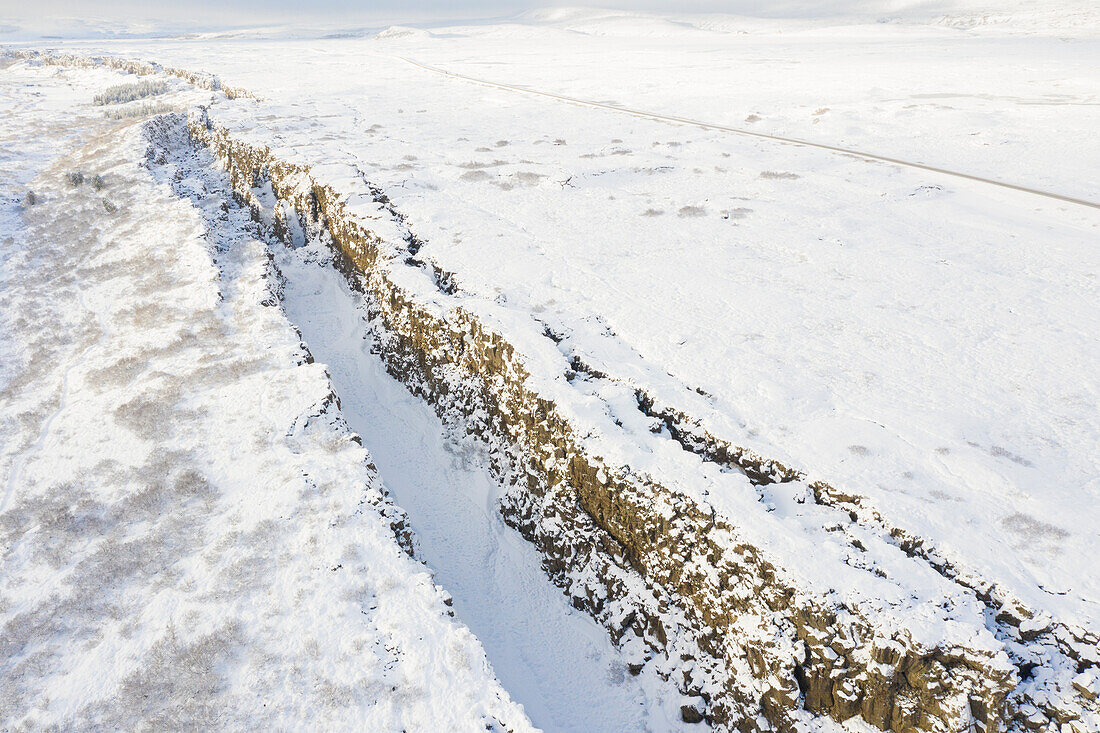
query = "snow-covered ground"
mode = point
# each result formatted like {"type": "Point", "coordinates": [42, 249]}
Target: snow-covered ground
{"type": "Point", "coordinates": [924, 342]}
{"type": "Point", "coordinates": [191, 536]}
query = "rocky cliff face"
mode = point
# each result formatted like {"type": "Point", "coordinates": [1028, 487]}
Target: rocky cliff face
{"type": "Point", "coordinates": [1055, 662]}
{"type": "Point", "coordinates": [669, 578]}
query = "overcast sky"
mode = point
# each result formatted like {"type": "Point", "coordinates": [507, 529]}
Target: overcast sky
{"type": "Point", "coordinates": [30, 19]}
{"type": "Point", "coordinates": [265, 11]}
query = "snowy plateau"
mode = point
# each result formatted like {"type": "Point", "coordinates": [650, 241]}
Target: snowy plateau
{"type": "Point", "coordinates": [581, 370]}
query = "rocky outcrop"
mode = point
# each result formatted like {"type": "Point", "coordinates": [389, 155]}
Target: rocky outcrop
{"type": "Point", "coordinates": [197, 79]}
{"type": "Point", "coordinates": [1052, 658]}
{"type": "Point", "coordinates": [672, 580]}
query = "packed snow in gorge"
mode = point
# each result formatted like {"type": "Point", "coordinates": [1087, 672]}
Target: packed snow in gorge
{"type": "Point", "coordinates": [576, 370]}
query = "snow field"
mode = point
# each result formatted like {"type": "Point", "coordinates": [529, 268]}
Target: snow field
{"type": "Point", "coordinates": [192, 536]}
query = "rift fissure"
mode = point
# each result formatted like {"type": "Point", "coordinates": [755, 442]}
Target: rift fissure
{"type": "Point", "coordinates": [644, 560]}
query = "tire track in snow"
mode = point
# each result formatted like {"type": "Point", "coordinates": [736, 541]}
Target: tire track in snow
{"type": "Point", "coordinates": [739, 131]}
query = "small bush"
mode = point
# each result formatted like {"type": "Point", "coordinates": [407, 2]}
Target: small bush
{"type": "Point", "coordinates": [98, 183]}
{"type": "Point", "coordinates": [145, 110]}
{"type": "Point", "coordinates": [31, 199]}
{"type": "Point", "coordinates": [76, 178]}
{"type": "Point", "coordinates": [129, 92]}
{"type": "Point", "coordinates": [779, 175]}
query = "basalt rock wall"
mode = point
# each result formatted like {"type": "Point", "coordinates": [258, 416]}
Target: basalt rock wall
{"type": "Point", "coordinates": [670, 580]}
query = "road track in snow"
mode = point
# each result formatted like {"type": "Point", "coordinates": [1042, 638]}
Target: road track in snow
{"type": "Point", "coordinates": [736, 130]}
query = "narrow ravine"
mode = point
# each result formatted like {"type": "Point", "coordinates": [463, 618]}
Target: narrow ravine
{"type": "Point", "coordinates": [553, 659]}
